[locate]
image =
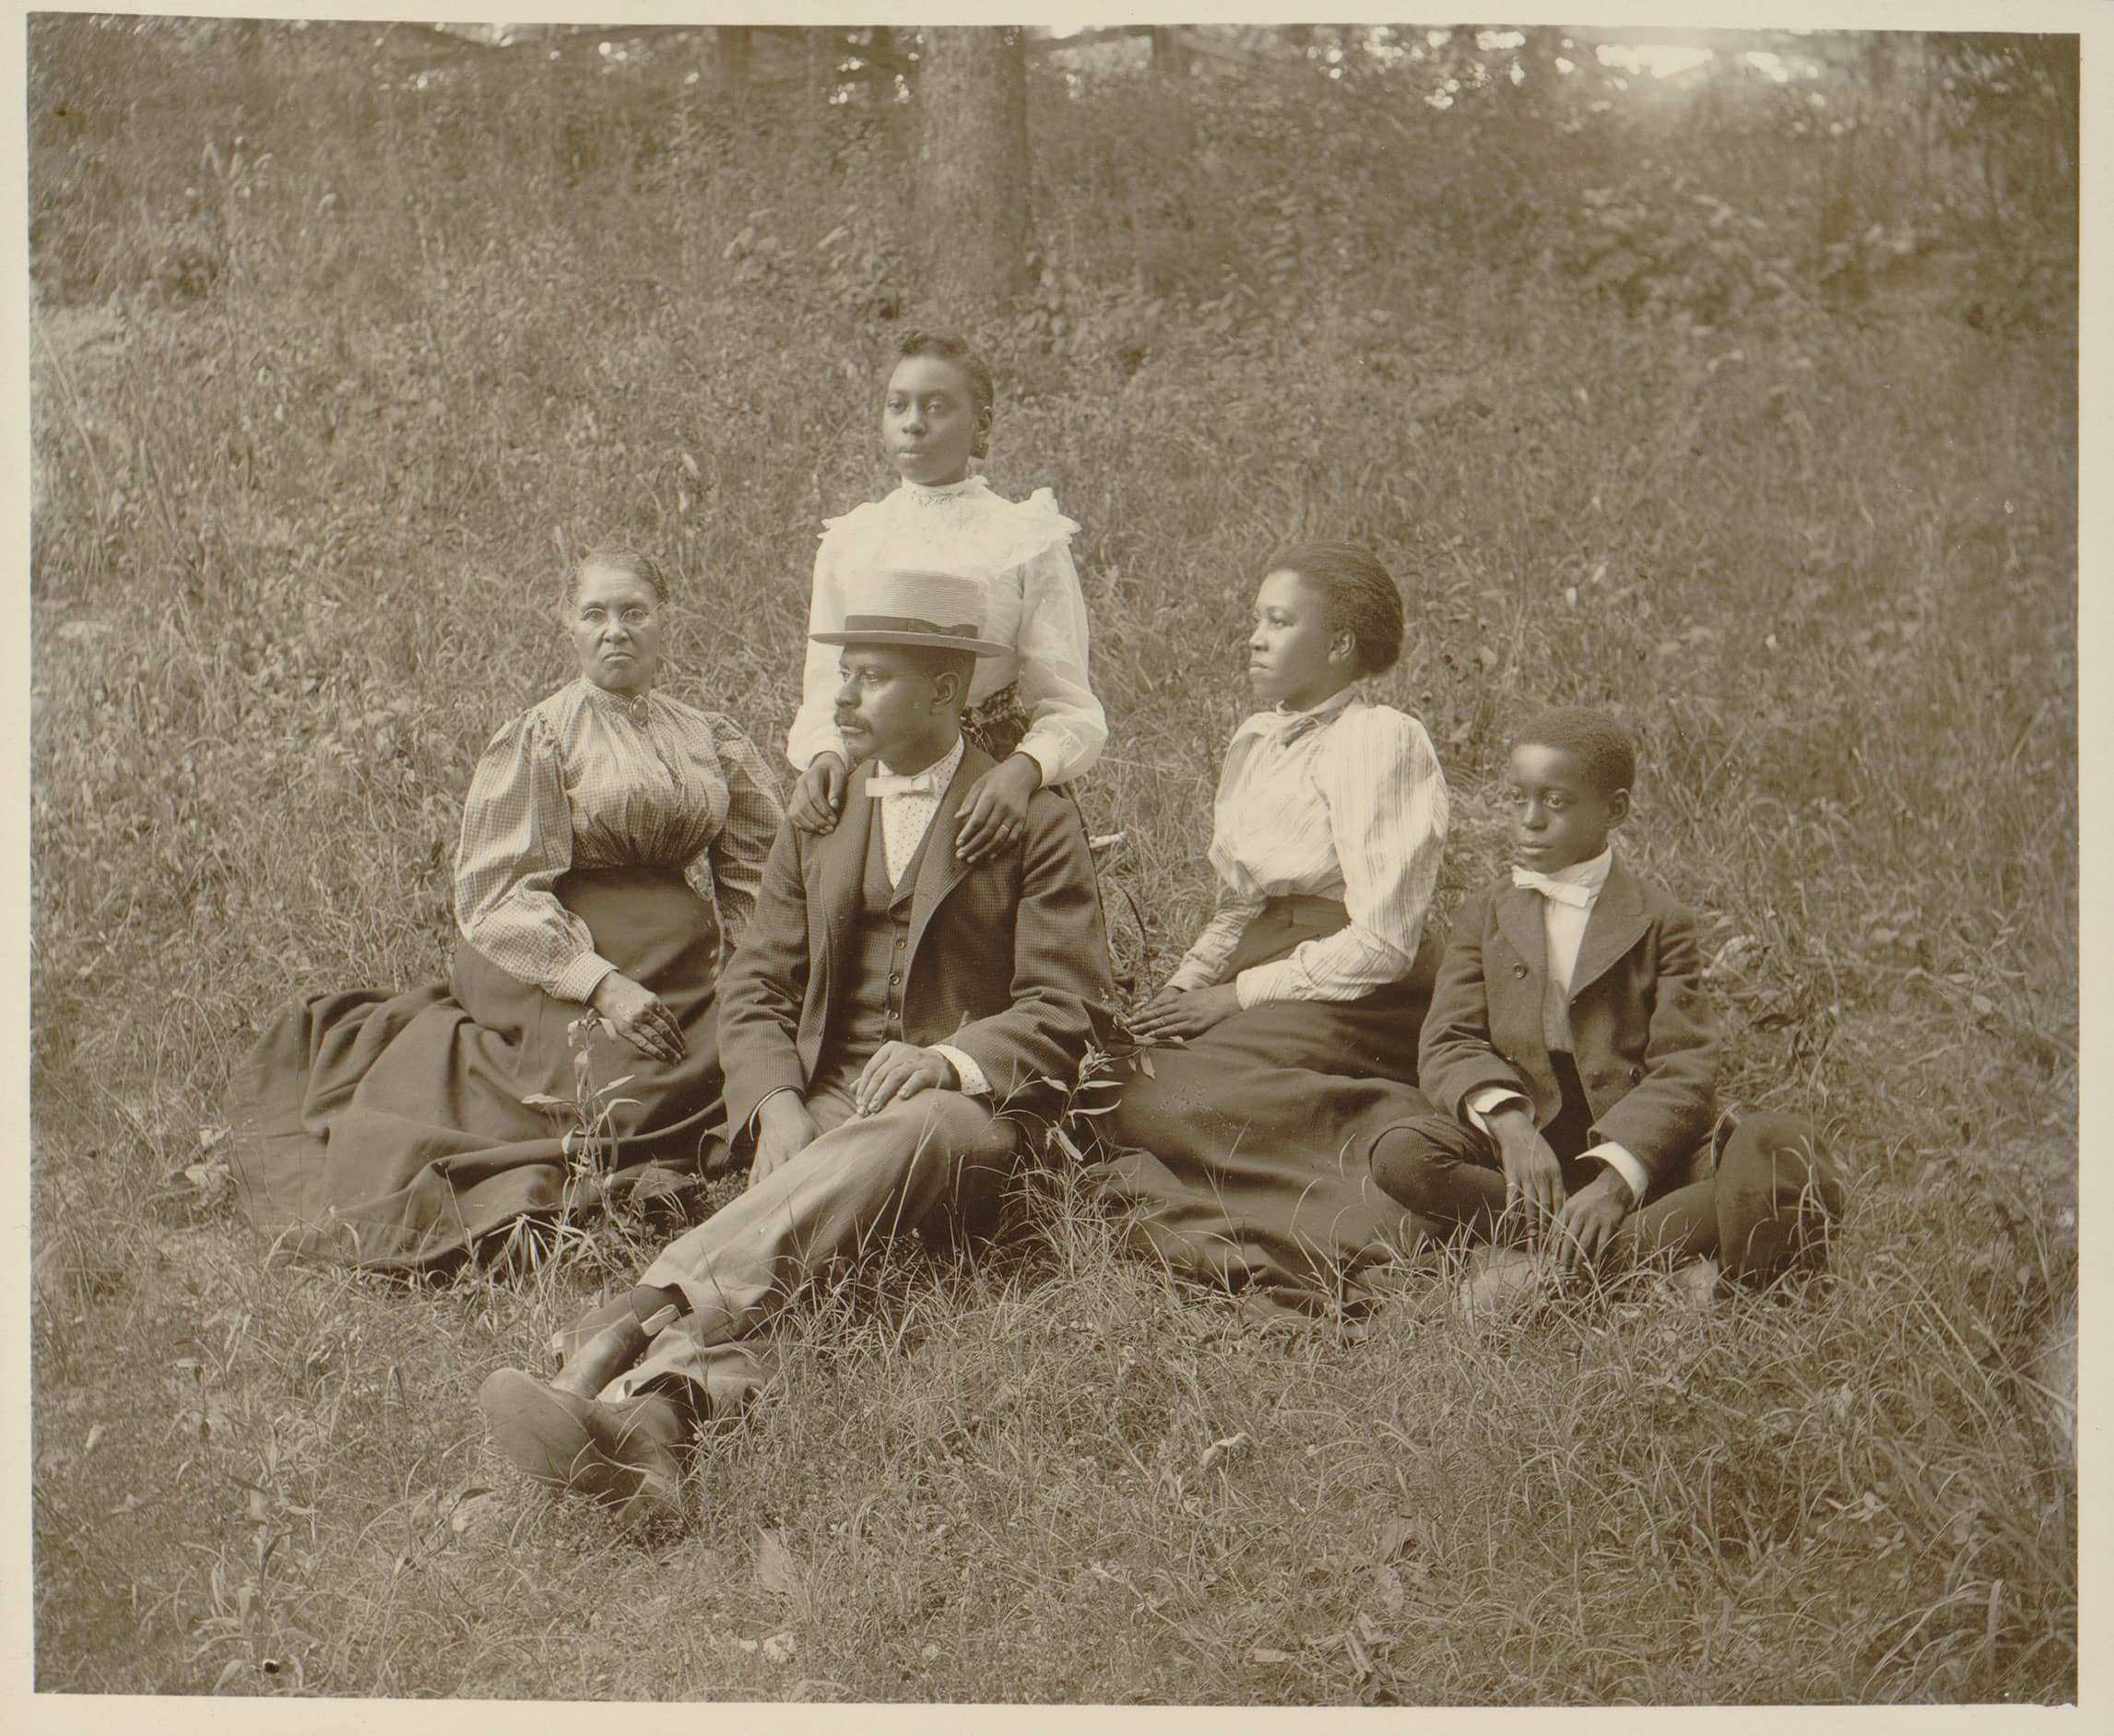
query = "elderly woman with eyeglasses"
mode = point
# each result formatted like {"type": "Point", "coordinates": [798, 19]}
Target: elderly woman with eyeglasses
{"type": "Point", "coordinates": [612, 843]}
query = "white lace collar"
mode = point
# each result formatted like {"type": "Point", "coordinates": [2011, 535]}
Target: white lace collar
{"type": "Point", "coordinates": [919, 494]}
{"type": "Point", "coordinates": [965, 526]}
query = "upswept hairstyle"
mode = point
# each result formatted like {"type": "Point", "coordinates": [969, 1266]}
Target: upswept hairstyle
{"type": "Point", "coordinates": [620, 558]}
{"type": "Point", "coordinates": [983, 391]}
{"type": "Point", "coordinates": [1602, 745]}
{"type": "Point", "coordinates": [1362, 599]}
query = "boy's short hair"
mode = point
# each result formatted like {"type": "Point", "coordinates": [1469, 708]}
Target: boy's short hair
{"type": "Point", "coordinates": [1602, 745]}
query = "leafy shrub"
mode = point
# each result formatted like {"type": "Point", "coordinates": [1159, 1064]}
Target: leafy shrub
{"type": "Point", "coordinates": [1663, 246]}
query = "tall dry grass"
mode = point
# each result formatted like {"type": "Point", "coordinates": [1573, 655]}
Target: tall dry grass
{"type": "Point", "coordinates": [296, 534]}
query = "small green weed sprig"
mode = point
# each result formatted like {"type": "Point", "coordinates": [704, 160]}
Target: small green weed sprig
{"type": "Point", "coordinates": [1093, 1093]}
{"type": "Point", "coordinates": [590, 1143]}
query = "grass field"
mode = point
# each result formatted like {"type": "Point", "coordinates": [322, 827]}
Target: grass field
{"type": "Point", "coordinates": [296, 537]}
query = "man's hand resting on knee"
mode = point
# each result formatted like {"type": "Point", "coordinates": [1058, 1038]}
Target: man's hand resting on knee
{"type": "Point", "coordinates": [1591, 1217]}
{"type": "Point", "coordinates": [783, 1130]}
{"type": "Point", "coordinates": [901, 1070]}
{"type": "Point", "coordinates": [1532, 1176]}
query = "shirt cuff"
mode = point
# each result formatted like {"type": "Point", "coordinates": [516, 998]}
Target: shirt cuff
{"type": "Point", "coordinates": [579, 980]}
{"type": "Point", "coordinates": [1623, 1164]}
{"type": "Point", "coordinates": [756, 1113]}
{"type": "Point", "coordinates": [1490, 1098]}
{"type": "Point", "coordinates": [1048, 757]}
{"type": "Point", "coordinates": [974, 1083]}
{"type": "Point", "coordinates": [1258, 982]}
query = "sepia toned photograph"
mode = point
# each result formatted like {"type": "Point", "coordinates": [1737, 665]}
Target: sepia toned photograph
{"type": "Point", "coordinates": [1168, 865]}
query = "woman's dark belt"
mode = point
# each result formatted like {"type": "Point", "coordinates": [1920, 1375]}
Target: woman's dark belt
{"type": "Point", "coordinates": [1303, 910]}
{"type": "Point", "coordinates": [619, 875]}
{"type": "Point", "coordinates": [1282, 924]}
{"type": "Point", "coordinates": [1291, 918]}
{"type": "Point", "coordinates": [619, 870]}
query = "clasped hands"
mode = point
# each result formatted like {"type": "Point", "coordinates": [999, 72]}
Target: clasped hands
{"type": "Point", "coordinates": [994, 813]}
{"type": "Point", "coordinates": [786, 1128]}
{"type": "Point", "coordinates": [1585, 1224]}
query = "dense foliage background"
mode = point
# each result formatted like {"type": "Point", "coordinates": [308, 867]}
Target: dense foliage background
{"type": "Point", "coordinates": [1746, 406]}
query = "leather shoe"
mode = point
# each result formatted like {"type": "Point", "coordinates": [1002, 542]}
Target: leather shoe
{"type": "Point", "coordinates": [622, 1455]}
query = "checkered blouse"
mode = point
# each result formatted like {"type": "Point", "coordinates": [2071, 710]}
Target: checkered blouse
{"type": "Point", "coordinates": [588, 778]}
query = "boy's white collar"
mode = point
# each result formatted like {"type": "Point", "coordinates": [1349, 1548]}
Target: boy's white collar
{"type": "Point", "coordinates": [1592, 872]}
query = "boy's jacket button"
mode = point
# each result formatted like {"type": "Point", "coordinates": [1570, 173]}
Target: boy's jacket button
{"type": "Point", "coordinates": [1519, 970]}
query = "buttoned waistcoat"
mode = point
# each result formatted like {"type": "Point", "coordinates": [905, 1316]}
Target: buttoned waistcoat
{"type": "Point", "coordinates": [1006, 959]}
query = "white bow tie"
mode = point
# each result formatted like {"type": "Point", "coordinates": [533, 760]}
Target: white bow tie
{"type": "Point", "coordinates": [924, 782]}
{"type": "Point", "coordinates": [1558, 892]}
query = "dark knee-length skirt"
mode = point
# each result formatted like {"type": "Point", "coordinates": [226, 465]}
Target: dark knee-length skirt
{"type": "Point", "coordinates": [1243, 1158]}
{"type": "Point", "coordinates": [391, 1131]}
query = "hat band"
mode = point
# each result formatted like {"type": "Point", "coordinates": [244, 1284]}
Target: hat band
{"type": "Point", "coordinates": [906, 624]}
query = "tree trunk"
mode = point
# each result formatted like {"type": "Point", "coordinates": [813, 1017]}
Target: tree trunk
{"type": "Point", "coordinates": [825, 63]}
{"type": "Point", "coordinates": [730, 46]}
{"type": "Point", "coordinates": [890, 60]}
{"type": "Point", "coordinates": [973, 219]}
{"type": "Point", "coordinates": [1170, 53]}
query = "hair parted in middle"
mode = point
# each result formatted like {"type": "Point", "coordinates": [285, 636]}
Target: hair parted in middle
{"type": "Point", "coordinates": [1363, 598]}
{"type": "Point", "coordinates": [620, 557]}
{"type": "Point", "coordinates": [982, 390]}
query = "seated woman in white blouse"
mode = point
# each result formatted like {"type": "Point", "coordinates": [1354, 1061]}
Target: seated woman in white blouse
{"type": "Point", "coordinates": [1286, 1037]}
{"type": "Point", "coordinates": [612, 844]}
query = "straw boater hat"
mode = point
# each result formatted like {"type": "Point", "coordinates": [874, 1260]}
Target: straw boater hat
{"type": "Point", "coordinates": [898, 607]}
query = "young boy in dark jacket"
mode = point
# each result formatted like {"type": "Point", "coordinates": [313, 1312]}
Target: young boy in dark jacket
{"type": "Point", "coordinates": [1572, 1055]}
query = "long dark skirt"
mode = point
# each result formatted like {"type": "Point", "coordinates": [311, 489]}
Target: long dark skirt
{"type": "Point", "coordinates": [1244, 1157]}
{"type": "Point", "coordinates": [390, 1132]}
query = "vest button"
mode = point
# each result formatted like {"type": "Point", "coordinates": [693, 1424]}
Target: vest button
{"type": "Point", "coordinates": [895, 982]}
{"type": "Point", "coordinates": [1519, 970]}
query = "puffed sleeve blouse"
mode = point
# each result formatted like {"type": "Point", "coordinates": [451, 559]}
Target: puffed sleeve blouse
{"type": "Point", "coordinates": [1345, 801]}
{"type": "Point", "coordinates": [592, 779]}
{"type": "Point", "coordinates": [1021, 551]}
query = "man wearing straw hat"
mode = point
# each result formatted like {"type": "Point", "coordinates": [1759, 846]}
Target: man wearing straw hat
{"type": "Point", "coordinates": [889, 1013]}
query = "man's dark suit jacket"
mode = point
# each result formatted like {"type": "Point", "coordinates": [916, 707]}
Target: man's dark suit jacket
{"type": "Point", "coordinates": [1008, 958]}
{"type": "Point", "coordinates": [1642, 1032]}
